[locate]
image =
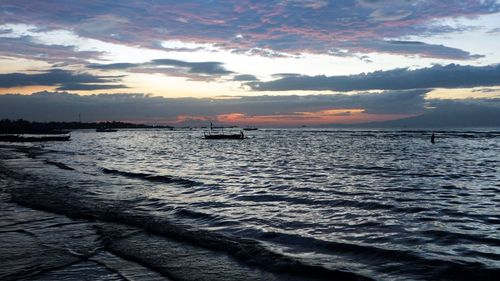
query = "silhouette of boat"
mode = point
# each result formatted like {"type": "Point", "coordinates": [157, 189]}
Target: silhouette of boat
{"type": "Point", "coordinates": [105, 130]}
{"type": "Point", "coordinates": [211, 135]}
{"type": "Point", "coordinates": [32, 131]}
{"type": "Point", "coordinates": [19, 138]}
{"type": "Point", "coordinates": [250, 129]}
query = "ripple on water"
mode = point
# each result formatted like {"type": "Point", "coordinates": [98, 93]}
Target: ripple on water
{"type": "Point", "coordinates": [389, 201]}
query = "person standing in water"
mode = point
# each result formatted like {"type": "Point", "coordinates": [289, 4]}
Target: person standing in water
{"type": "Point", "coordinates": [433, 138]}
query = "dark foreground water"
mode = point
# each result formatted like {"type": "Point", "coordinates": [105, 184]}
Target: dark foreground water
{"type": "Point", "coordinates": [387, 205]}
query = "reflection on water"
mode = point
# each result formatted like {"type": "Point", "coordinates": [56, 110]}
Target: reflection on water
{"type": "Point", "coordinates": [387, 204]}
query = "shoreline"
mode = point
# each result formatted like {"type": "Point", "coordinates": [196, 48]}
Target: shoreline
{"type": "Point", "coordinates": [39, 245]}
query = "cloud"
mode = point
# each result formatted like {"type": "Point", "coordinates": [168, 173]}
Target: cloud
{"type": "Point", "coordinates": [180, 46]}
{"type": "Point", "coordinates": [452, 113]}
{"type": "Point", "coordinates": [24, 47]}
{"type": "Point", "coordinates": [269, 110]}
{"type": "Point", "coordinates": [284, 75]}
{"type": "Point", "coordinates": [262, 52]}
{"type": "Point", "coordinates": [384, 15]}
{"type": "Point", "coordinates": [388, 10]}
{"type": "Point", "coordinates": [438, 76]}
{"type": "Point", "coordinates": [245, 77]}
{"type": "Point", "coordinates": [494, 30]}
{"type": "Point", "coordinates": [391, 102]}
{"type": "Point", "coordinates": [114, 66]}
{"type": "Point", "coordinates": [64, 106]}
{"type": "Point", "coordinates": [289, 26]}
{"type": "Point", "coordinates": [408, 48]}
{"type": "Point", "coordinates": [89, 87]}
{"type": "Point", "coordinates": [313, 4]}
{"type": "Point", "coordinates": [63, 79]}
{"type": "Point", "coordinates": [171, 67]}
{"type": "Point", "coordinates": [210, 68]}
{"type": "Point", "coordinates": [487, 90]}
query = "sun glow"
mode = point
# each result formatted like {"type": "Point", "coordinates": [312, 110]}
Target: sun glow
{"type": "Point", "coordinates": [329, 116]}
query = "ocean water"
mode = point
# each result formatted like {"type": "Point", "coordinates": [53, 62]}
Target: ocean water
{"type": "Point", "coordinates": [382, 204]}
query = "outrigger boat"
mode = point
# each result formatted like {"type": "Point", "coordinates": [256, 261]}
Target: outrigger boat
{"type": "Point", "coordinates": [105, 130]}
{"type": "Point", "coordinates": [222, 136]}
{"type": "Point", "coordinates": [19, 138]}
{"type": "Point", "coordinates": [211, 136]}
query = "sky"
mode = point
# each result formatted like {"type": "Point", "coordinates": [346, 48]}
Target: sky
{"type": "Point", "coordinates": [263, 63]}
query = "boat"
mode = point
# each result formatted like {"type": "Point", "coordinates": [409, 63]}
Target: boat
{"type": "Point", "coordinates": [250, 129]}
{"type": "Point", "coordinates": [105, 130]}
{"type": "Point", "coordinates": [211, 135]}
{"type": "Point", "coordinates": [32, 131]}
{"type": "Point", "coordinates": [20, 138]}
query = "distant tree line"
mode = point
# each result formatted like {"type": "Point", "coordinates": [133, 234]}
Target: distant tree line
{"type": "Point", "coordinates": [21, 126]}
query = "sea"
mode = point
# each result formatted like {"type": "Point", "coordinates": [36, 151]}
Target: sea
{"type": "Point", "coordinates": [371, 204]}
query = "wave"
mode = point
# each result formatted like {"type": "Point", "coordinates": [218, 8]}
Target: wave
{"type": "Point", "coordinates": [366, 205]}
{"type": "Point", "coordinates": [153, 178]}
{"type": "Point", "coordinates": [449, 238]}
{"type": "Point", "coordinates": [388, 260]}
{"type": "Point", "coordinates": [74, 204]}
{"type": "Point", "coordinates": [195, 215]}
{"type": "Point", "coordinates": [67, 201]}
{"type": "Point", "coordinates": [59, 165]}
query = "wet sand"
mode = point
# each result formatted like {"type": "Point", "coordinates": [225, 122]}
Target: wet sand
{"type": "Point", "coordinates": [38, 245]}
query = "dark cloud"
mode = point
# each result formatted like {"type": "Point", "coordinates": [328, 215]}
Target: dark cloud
{"type": "Point", "coordinates": [284, 75]}
{"type": "Point", "coordinates": [245, 77]}
{"type": "Point", "coordinates": [210, 68]}
{"type": "Point", "coordinates": [282, 25]}
{"type": "Point", "coordinates": [64, 106]}
{"type": "Point", "coordinates": [494, 31]}
{"type": "Point", "coordinates": [451, 113]}
{"type": "Point", "coordinates": [114, 66]}
{"type": "Point", "coordinates": [192, 70]}
{"type": "Point", "coordinates": [390, 102]}
{"type": "Point", "coordinates": [64, 79]}
{"type": "Point", "coordinates": [25, 48]}
{"type": "Point", "coordinates": [449, 76]}
{"type": "Point", "coordinates": [408, 48]}
{"type": "Point", "coordinates": [89, 87]}
{"type": "Point", "coordinates": [313, 4]}
{"type": "Point", "coordinates": [487, 90]}
{"type": "Point", "coordinates": [263, 52]}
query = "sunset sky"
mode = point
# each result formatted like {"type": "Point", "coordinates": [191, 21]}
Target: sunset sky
{"type": "Point", "coordinates": [265, 63]}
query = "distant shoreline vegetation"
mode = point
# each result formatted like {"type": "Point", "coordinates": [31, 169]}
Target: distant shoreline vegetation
{"type": "Point", "coordinates": [21, 126]}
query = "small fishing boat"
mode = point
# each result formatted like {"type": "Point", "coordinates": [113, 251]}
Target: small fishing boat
{"type": "Point", "coordinates": [250, 129]}
{"type": "Point", "coordinates": [21, 138]}
{"type": "Point", "coordinates": [32, 131]}
{"type": "Point", "coordinates": [105, 130]}
{"type": "Point", "coordinates": [212, 135]}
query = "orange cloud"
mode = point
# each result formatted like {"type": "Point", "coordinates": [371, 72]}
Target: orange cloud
{"type": "Point", "coordinates": [190, 118]}
{"type": "Point", "coordinates": [329, 116]}
{"type": "Point", "coordinates": [27, 90]}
